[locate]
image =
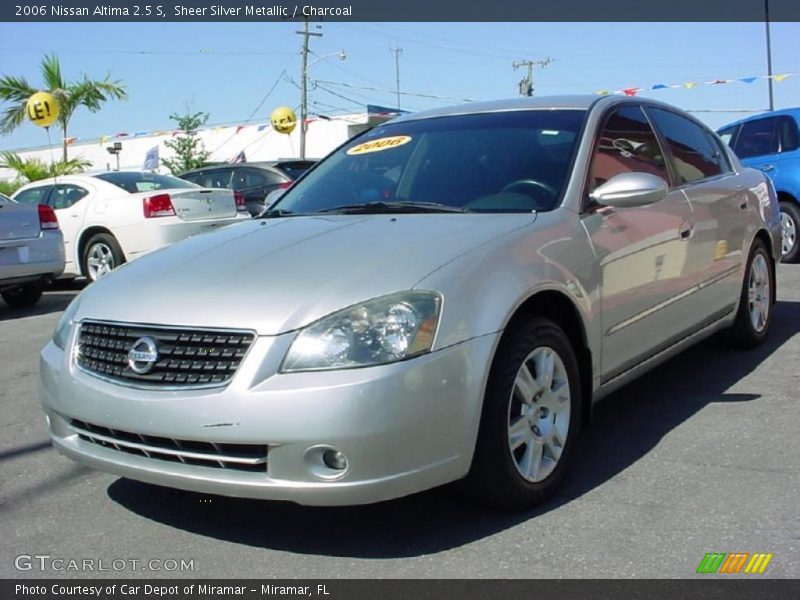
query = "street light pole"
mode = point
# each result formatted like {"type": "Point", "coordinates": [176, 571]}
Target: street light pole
{"type": "Point", "coordinates": [769, 55]}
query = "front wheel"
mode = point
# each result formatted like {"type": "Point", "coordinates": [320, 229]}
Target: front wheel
{"type": "Point", "coordinates": [790, 228]}
{"type": "Point", "coordinates": [755, 303]}
{"type": "Point", "coordinates": [101, 255]}
{"type": "Point", "coordinates": [530, 419]}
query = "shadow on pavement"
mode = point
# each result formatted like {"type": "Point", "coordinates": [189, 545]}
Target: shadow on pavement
{"type": "Point", "coordinates": [55, 299]}
{"type": "Point", "coordinates": [636, 417]}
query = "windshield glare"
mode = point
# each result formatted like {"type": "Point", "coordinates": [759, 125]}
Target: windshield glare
{"type": "Point", "coordinates": [513, 161]}
{"type": "Point", "coordinates": [135, 182]}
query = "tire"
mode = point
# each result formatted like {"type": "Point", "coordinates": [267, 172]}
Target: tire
{"type": "Point", "coordinates": [504, 477]}
{"type": "Point", "coordinates": [24, 296]}
{"type": "Point", "coordinates": [754, 314]}
{"type": "Point", "coordinates": [101, 255]}
{"type": "Point", "coordinates": [790, 232]}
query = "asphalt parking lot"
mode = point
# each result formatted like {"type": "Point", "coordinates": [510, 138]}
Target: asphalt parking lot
{"type": "Point", "coordinates": [702, 455]}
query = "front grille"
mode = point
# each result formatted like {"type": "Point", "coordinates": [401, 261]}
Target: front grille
{"type": "Point", "coordinates": [186, 357]}
{"type": "Point", "coordinates": [237, 457]}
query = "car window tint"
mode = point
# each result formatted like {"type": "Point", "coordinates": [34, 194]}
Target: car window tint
{"type": "Point", "coordinates": [65, 195]}
{"type": "Point", "coordinates": [757, 138]}
{"type": "Point", "coordinates": [694, 156]}
{"type": "Point", "coordinates": [35, 195]}
{"type": "Point", "coordinates": [250, 178]}
{"type": "Point", "coordinates": [626, 144]}
{"type": "Point", "coordinates": [135, 182]}
{"type": "Point", "coordinates": [489, 162]}
{"type": "Point", "coordinates": [218, 178]}
{"type": "Point", "coordinates": [193, 177]}
{"type": "Point", "coordinates": [790, 138]}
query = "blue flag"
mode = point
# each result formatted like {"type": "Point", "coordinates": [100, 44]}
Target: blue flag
{"type": "Point", "coordinates": [151, 159]}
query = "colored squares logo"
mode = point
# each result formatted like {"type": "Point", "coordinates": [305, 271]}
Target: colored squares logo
{"type": "Point", "coordinates": [734, 562]}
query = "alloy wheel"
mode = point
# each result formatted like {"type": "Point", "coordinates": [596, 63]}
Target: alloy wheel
{"type": "Point", "coordinates": [759, 292]}
{"type": "Point", "coordinates": [99, 260]}
{"type": "Point", "coordinates": [788, 233]}
{"type": "Point", "coordinates": [538, 414]}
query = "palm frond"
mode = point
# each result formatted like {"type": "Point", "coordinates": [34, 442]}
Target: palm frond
{"type": "Point", "coordinates": [15, 89]}
{"type": "Point", "coordinates": [33, 169]}
{"type": "Point", "coordinates": [51, 73]}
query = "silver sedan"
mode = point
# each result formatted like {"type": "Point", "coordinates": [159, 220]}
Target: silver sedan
{"type": "Point", "coordinates": [31, 251]}
{"type": "Point", "coordinates": [443, 298]}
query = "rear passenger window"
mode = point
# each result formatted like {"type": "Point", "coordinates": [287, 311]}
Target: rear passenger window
{"type": "Point", "coordinates": [36, 195]}
{"type": "Point", "coordinates": [757, 138]}
{"type": "Point", "coordinates": [65, 195]}
{"type": "Point", "coordinates": [627, 144]}
{"type": "Point", "coordinates": [694, 155]}
{"type": "Point", "coordinates": [790, 139]}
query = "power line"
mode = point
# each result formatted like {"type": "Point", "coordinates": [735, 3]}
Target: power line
{"type": "Point", "coordinates": [385, 91]}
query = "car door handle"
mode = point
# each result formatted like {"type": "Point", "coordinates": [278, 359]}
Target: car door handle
{"type": "Point", "coordinates": [686, 232]}
{"type": "Point", "coordinates": [767, 167]}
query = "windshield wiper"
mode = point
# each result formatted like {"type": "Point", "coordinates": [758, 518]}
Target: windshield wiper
{"type": "Point", "coordinates": [393, 207]}
{"type": "Point", "coordinates": [274, 213]}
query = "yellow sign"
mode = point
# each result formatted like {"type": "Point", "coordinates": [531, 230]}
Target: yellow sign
{"type": "Point", "coordinates": [379, 144]}
{"type": "Point", "coordinates": [42, 109]}
{"type": "Point", "coordinates": [283, 120]}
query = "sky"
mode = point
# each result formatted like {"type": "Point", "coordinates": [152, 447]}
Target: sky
{"type": "Point", "coordinates": [227, 69]}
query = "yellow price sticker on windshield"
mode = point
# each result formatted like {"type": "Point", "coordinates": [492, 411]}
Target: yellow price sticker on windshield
{"type": "Point", "coordinates": [379, 144]}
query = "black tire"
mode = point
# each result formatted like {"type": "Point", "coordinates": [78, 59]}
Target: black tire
{"type": "Point", "coordinates": [744, 333]}
{"type": "Point", "coordinates": [790, 210]}
{"type": "Point", "coordinates": [24, 296]}
{"type": "Point", "coordinates": [107, 242]}
{"type": "Point", "coordinates": [494, 477]}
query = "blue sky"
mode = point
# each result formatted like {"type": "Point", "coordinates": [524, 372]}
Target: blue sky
{"type": "Point", "coordinates": [226, 69]}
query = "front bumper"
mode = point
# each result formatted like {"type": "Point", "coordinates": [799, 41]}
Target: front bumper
{"type": "Point", "coordinates": [403, 427]}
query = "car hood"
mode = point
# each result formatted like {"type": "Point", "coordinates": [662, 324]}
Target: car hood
{"type": "Point", "coordinates": [277, 275]}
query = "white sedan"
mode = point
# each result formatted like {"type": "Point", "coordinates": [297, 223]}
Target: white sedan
{"type": "Point", "coordinates": [110, 218]}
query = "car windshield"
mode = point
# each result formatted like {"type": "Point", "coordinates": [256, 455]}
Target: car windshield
{"type": "Point", "coordinates": [514, 161]}
{"type": "Point", "coordinates": [144, 182]}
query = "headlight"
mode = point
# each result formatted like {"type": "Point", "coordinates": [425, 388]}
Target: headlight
{"type": "Point", "coordinates": [378, 331]}
{"type": "Point", "coordinates": [64, 325]}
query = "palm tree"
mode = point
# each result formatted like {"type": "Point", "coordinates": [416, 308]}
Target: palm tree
{"type": "Point", "coordinates": [85, 92]}
{"type": "Point", "coordinates": [33, 169]}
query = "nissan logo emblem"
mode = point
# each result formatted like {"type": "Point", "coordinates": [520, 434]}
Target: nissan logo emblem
{"type": "Point", "coordinates": [143, 355]}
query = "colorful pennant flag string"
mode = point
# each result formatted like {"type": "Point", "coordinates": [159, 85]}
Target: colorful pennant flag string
{"type": "Point", "coordinates": [632, 91]}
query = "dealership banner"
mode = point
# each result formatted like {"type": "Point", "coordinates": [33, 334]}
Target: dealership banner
{"type": "Point", "coordinates": [398, 589]}
{"type": "Point", "coordinates": [408, 10]}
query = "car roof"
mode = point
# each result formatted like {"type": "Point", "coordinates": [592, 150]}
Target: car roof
{"type": "Point", "coordinates": [792, 112]}
{"type": "Point", "coordinates": [565, 102]}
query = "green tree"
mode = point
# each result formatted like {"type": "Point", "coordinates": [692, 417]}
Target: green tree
{"type": "Point", "coordinates": [71, 95]}
{"type": "Point", "coordinates": [187, 145]}
{"type": "Point", "coordinates": [33, 169]}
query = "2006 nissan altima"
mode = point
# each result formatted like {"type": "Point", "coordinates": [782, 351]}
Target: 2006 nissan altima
{"type": "Point", "coordinates": [442, 298]}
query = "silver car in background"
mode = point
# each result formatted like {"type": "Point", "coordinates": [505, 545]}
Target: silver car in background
{"type": "Point", "coordinates": [443, 298]}
{"type": "Point", "coordinates": [31, 251]}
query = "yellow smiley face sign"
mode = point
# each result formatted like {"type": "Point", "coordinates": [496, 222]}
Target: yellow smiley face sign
{"type": "Point", "coordinates": [379, 145]}
{"type": "Point", "coordinates": [283, 119]}
{"type": "Point", "coordinates": [42, 109]}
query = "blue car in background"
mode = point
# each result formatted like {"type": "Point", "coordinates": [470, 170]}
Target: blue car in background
{"type": "Point", "coordinates": [771, 142]}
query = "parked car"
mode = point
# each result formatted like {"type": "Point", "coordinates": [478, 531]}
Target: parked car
{"type": "Point", "coordinates": [31, 251]}
{"type": "Point", "coordinates": [110, 218]}
{"type": "Point", "coordinates": [254, 180]}
{"type": "Point", "coordinates": [771, 142]}
{"type": "Point", "coordinates": [443, 298]}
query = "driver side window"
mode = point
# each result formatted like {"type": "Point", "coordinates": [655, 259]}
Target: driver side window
{"type": "Point", "coordinates": [626, 144]}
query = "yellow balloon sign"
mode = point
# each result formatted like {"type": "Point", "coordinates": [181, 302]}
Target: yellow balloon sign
{"type": "Point", "coordinates": [283, 120]}
{"type": "Point", "coordinates": [42, 109]}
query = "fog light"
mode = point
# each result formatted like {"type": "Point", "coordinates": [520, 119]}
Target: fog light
{"type": "Point", "coordinates": [334, 459]}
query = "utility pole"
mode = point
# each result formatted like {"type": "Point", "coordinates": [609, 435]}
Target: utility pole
{"type": "Point", "coordinates": [397, 52]}
{"type": "Point", "coordinates": [769, 55]}
{"type": "Point", "coordinates": [526, 83]}
{"type": "Point", "coordinates": [304, 86]}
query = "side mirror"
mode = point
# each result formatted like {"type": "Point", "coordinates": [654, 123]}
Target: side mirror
{"type": "Point", "coordinates": [628, 190]}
